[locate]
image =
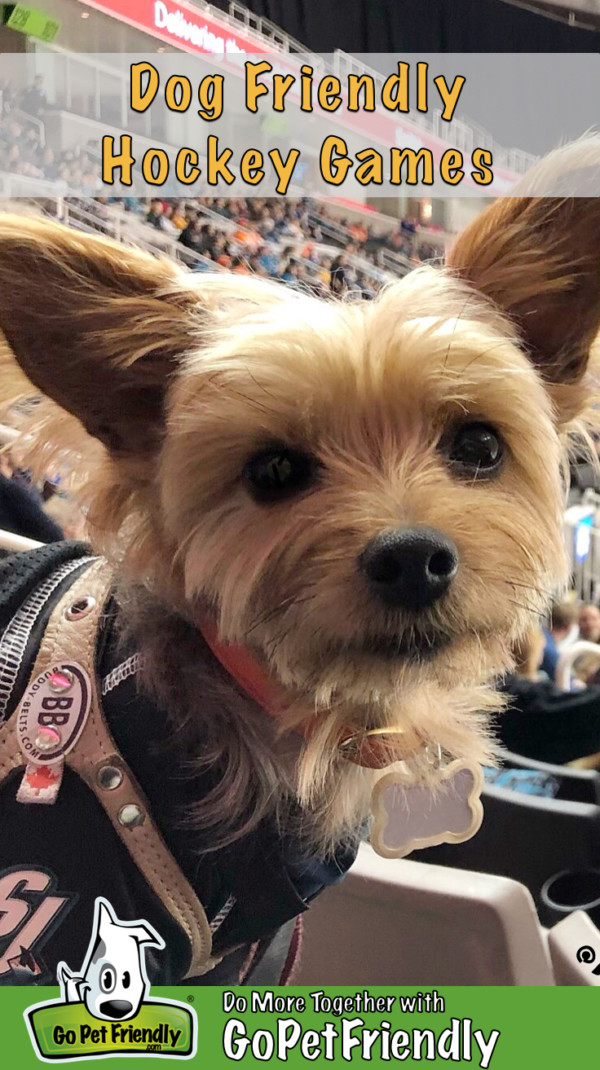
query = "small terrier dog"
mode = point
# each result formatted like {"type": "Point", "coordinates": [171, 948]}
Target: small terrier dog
{"type": "Point", "coordinates": [366, 497]}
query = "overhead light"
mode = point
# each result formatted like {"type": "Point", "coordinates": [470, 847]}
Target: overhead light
{"type": "Point", "coordinates": [85, 14]}
{"type": "Point", "coordinates": [161, 49]}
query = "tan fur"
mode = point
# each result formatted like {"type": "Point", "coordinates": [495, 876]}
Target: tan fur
{"type": "Point", "coordinates": [179, 379]}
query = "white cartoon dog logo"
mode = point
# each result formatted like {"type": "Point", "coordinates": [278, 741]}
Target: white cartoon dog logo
{"type": "Point", "coordinates": [113, 980]}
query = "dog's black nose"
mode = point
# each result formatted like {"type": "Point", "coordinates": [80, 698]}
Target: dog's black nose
{"type": "Point", "coordinates": [116, 1008]}
{"type": "Point", "coordinates": [410, 568]}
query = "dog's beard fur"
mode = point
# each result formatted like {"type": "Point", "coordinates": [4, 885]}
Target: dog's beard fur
{"type": "Point", "coordinates": [370, 391]}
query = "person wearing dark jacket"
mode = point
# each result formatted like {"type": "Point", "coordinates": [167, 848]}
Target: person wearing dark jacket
{"type": "Point", "coordinates": [21, 514]}
{"type": "Point", "coordinates": [338, 281]}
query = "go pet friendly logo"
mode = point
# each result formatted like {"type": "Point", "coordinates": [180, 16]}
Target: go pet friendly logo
{"type": "Point", "coordinates": [105, 1009]}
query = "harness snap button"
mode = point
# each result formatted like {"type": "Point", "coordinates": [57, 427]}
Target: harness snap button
{"type": "Point", "coordinates": [47, 738]}
{"type": "Point", "coordinates": [81, 608]}
{"type": "Point", "coordinates": [61, 680]}
{"type": "Point", "coordinates": [131, 816]}
{"type": "Point", "coordinates": [109, 777]}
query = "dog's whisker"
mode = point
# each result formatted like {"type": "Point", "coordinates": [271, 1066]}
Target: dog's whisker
{"type": "Point", "coordinates": [279, 610]}
{"type": "Point", "coordinates": [536, 610]}
{"type": "Point", "coordinates": [492, 577]}
{"type": "Point", "coordinates": [529, 587]}
{"type": "Point", "coordinates": [524, 549]}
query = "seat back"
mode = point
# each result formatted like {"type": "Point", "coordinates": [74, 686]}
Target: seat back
{"type": "Point", "coordinates": [526, 838]}
{"type": "Point", "coordinates": [394, 922]}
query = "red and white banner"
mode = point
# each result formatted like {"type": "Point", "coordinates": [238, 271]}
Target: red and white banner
{"type": "Point", "coordinates": [179, 24]}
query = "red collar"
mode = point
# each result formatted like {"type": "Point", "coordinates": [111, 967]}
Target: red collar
{"type": "Point", "coordinates": [372, 749]}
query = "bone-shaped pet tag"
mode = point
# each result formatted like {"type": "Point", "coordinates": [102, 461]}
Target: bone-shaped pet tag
{"type": "Point", "coordinates": [409, 815]}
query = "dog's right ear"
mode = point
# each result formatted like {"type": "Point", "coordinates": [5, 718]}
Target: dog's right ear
{"type": "Point", "coordinates": [97, 327]}
{"type": "Point", "coordinates": [538, 260]}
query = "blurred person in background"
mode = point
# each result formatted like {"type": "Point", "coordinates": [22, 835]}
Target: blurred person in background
{"type": "Point", "coordinates": [155, 214]}
{"type": "Point", "coordinates": [584, 671]}
{"type": "Point", "coordinates": [290, 272]}
{"type": "Point", "coordinates": [178, 216]}
{"type": "Point", "coordinates": [21, 509]}
{"type": "Point", "coordinates": [239, 266]}
{"type": "Point", "coordinates": [589, 623]}
{"type": "Point", "coordinates": [561, 629]}
{"type": "Point", "coordinates": [338, 281]}
{"type": "Point", "coordinates": [563, 623]}
{"type": "Point", "coordinates": [542, 722]}
{"type": "Point", "coordinates": [34, 100]}
{"type": "Point", "coordinates": [192, 236]}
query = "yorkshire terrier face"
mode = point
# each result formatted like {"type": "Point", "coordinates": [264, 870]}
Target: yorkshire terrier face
{"type": "Point", "coordinates": [367, 496]}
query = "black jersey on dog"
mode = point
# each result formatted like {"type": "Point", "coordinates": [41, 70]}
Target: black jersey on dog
{"type": "Point", "coordinates": [56, 859]}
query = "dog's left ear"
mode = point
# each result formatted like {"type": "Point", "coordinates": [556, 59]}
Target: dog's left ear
{"type": "Point", "coordinates": [97, 327]}
{"type": "Point", "coordinates": [538, 260]}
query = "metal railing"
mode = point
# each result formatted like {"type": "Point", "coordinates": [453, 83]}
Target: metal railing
{"type": "Point", "coordinates": [462, 134]}
{"type": "Point", "coordinates": [31, 120]}
{"type": "Point", "coordinates": [394, 262]}
{"type": "Point", "coordinates": [331, 229]}
{"type": "Point", "coordinates": [83, 215]}
{"type": "Point", "coordinates": [262, 27]}
{"type": "Point", "coordinates": [13, 185]}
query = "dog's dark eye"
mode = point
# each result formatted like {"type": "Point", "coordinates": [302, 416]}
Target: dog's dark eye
{"type": "Point", "coordinates": [108, 979]}
{"type": "Point", "coordinates": [278, 472]}
{"type": "Point", "coordinates": [126, 979]}
{"type": "Point", "coordinates": [475, 449]}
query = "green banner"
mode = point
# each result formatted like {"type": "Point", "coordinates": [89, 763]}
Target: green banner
{"type": "Point", "coordinates": [503, 1028]}
{"type": "Point", "coordinates": [31, 21]}
{"type": "Point", "coordinates": [68, 1031]}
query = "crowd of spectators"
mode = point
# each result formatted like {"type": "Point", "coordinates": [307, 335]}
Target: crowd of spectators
{"type": "Point", "coordinates": [22, 142]}
{"type": "Point", "coordinates": [282, 240]}
{"type": "Point", "coordinates": [265, 221]}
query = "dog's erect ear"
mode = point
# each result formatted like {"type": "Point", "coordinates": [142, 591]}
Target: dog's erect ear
{"type": "Point", "coordinates": [105, 919]}
{"type": "Point", "coordinates": [95, 326]}
{"type": "Point", "coordinates": [538, 259]}
{"type": "Point", "coordinates": [145, 934]}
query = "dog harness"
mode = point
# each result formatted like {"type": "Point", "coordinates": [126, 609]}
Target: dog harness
{"type": "Point", "coordinates": [76, 823]}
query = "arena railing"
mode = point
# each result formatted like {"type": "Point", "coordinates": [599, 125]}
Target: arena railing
{"type": "Point", "coordinates": [121, 227]}
{"type": "Point", "coordinates": [13, 185]}
{"type": "Point", "coordinates": [468, 133]}
{"type": "Point", "coordinates": [396, 263]}
{"type": "Point", "coordinates": [259, 25]}
{"type": "Point", "coordinates": [31, 120]}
